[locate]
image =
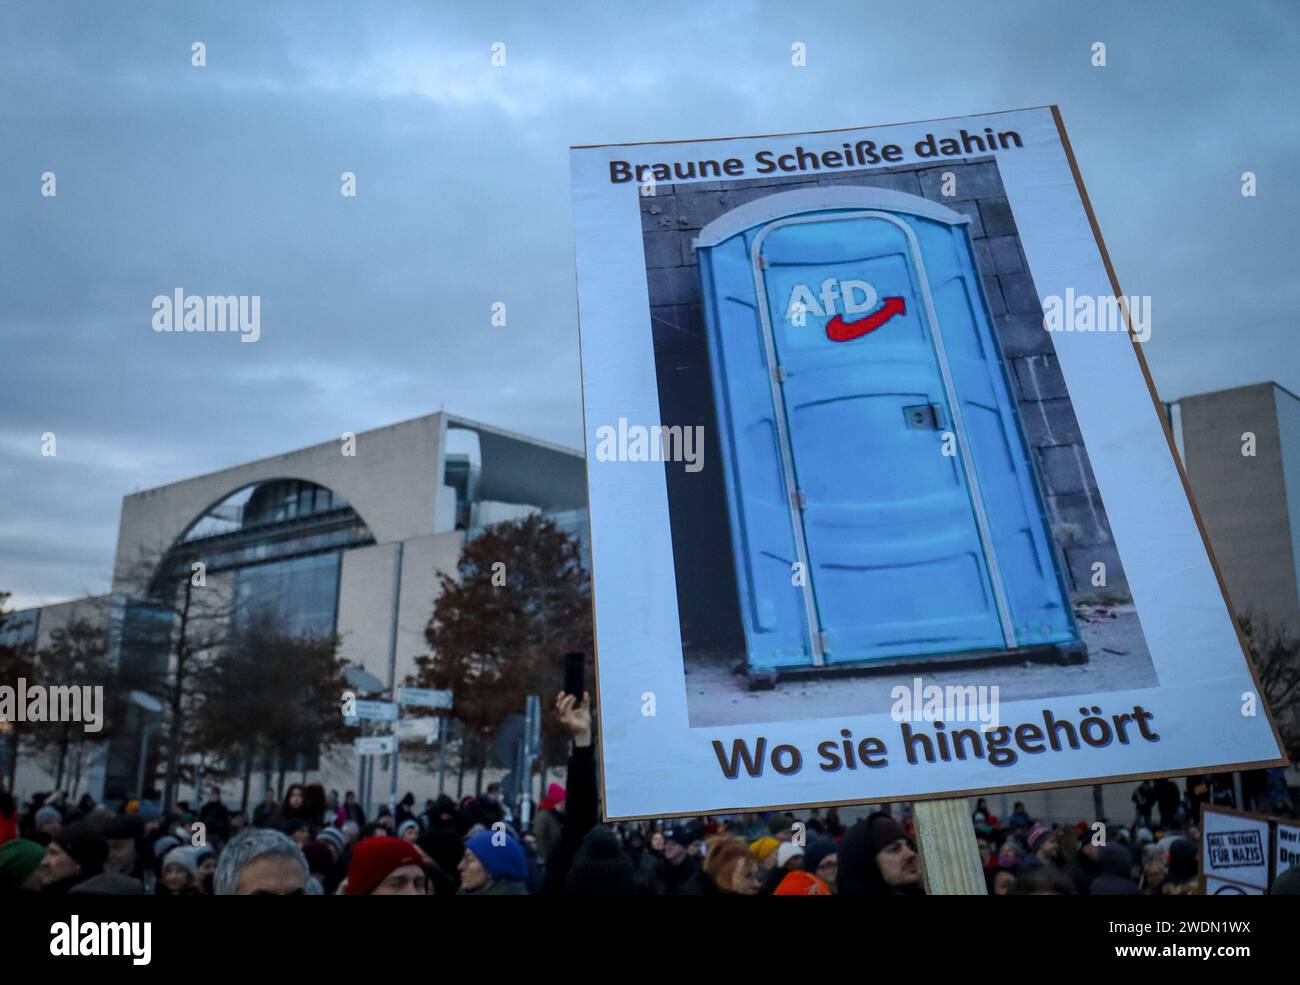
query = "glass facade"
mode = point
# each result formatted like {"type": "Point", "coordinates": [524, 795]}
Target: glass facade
{"type": "Point", "coordinates": [140, 634]}
{"type": "Point", "coordinates": [281, 543]}
{"type": "Point", "coordinates": [271, 521]}
{"type": "Point", "coordinates": [298, 595]}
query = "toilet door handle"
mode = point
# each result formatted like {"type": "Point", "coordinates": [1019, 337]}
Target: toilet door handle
{"type": "Point", "coordinates": [924, 417]}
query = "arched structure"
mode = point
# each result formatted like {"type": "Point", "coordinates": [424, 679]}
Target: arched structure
{"type": "Point", "coordinates": [271, 520]}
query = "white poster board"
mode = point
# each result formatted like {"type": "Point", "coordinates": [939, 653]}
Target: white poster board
{"type": "Point", "coordinates": [1234, 849]}
{"type": "Point", "coordinates": [681, 731]}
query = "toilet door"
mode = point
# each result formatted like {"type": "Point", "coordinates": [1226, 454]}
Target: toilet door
{"type": "Point", "coordinates": [896, 541]}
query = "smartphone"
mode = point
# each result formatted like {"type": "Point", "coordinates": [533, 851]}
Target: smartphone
{"type": "Point", "coordinates": [575, 665]}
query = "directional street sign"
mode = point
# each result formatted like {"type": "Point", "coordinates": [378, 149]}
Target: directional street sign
{"type": "Point", "coordinates": [424, 697]}
{"type": "Point", "coordinates": [379, 711]}
{"type": "Point", "coordinates": [417, 728]}
{"type": "Point", "coordinates": [375, 745]}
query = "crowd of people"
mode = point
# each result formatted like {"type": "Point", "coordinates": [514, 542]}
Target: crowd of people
{"type": "Point", "coordinates": [314, 843]}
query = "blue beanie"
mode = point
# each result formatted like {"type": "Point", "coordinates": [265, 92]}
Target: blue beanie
{"type": "Point", "coordinates": [148, 811]}
{"type": "Point", "coordinates": [502, 861]}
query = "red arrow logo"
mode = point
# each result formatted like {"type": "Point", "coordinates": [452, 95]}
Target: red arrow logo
{"type": "Point", "coordinates": [838, 330]}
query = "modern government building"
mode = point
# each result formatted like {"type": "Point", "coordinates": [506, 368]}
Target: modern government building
{"type": "Point", "coordinates": [354, 544]}
{"type": "Point", "coordinates": [345, 537]}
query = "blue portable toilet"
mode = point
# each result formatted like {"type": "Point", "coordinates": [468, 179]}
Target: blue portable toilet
{"type": "Point", "coordinates": [883, 505]}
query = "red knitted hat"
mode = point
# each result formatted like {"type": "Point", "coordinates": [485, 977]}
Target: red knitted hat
{"type": "Point", "coordinates": [374, 858]}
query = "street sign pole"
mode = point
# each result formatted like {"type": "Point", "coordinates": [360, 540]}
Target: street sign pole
{"type": "Point", "coordinates": [531, 743]}
{"type": "Point", "coordinates": [361, 776]}
{"type": "Point", "coordinates": [950, 857]}
{"type": "Point", "coordinates": [392, 674]}
{"type": "Point", "coordinates": [444, 728]}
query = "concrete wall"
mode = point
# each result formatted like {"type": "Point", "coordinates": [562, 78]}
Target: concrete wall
{"type": "Point", "coordinates": [364, 622]}
{"type": "Point", "coordinates": [1288, 429]}
{"type": "Point", "coordinates": [1243, 498]}
{"type": "Point", "coordinates": [392, 481]}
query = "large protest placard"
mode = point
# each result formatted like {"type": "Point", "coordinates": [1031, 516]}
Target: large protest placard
{"type": "Point", "coordinates": [883, 504]}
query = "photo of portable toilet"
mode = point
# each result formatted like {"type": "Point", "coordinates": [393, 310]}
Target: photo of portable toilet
{"type": "Point", "coordinates": [884, 508]}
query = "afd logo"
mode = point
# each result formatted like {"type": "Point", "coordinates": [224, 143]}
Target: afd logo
{"type": "Point", "coordinates": [856, 297]}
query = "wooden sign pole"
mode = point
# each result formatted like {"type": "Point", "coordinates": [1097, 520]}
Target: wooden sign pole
{"type": "Point", "coordinates": [950, 859]}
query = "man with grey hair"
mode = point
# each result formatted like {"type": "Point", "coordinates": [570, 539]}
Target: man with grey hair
{"type": "Point", "coordinates": [261, 862]}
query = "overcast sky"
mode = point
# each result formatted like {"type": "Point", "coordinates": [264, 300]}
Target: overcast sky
{"type": "Point", "coordinates": [226, 180]}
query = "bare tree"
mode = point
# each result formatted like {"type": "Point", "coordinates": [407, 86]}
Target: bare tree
{"type": "Point", "coordinates": [1276, 655]}
{"type": "Point", "coordinates": [16, 660]}
{"type": "Point", "coordinates": [200, 625]}
{"type": "Point", "coordinates": [270, 691]}
{"type": "Point", "coordinates": [76, 657]}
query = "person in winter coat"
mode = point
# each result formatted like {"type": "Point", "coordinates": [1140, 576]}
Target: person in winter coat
{"type": "Point", "coordinates": [730, 868]}
{"type": "Point", "coordinates": [1116, 875]}
{"type": "Point", "coordinates": [20, 867]}
{"type": "Point", "coordinates": [834, 828]}
{"type": "Point", "coordinates": [601, 867]}
{"type": "Point", "coordinates": [48, 821]}
{"type": "Point", "coordinates": [789, 858]}
{"type": "Point", "coordinates": [486, 809]}
{"type": "Point", "coordinates": [1180, 875]}
{"type": "Point", "coordinates": [350, 810]}
{"type": "Point", "coordinates": [1019, 817]}
{"type": "Point", "coordinates": [1144, 802]}
{"type": "Point", "coordinates": [180, 873]}
{"type": "Point", "coordinates": [1000, 881]}
{"type": "Point", "coordinates": [1085, 868]}
{"type": "Point", "coordinates": [1168, 800]}
{"type": "Point", "coordinates": [549, 824]}
{"type": "Point", "coordinates": [878, 859]}
{"type": "Point", "coordinates": [314, 807]}
{"type": "Point", "coordinates": [679, 872]}
{"type": "Point", "coordinates": [216, 816]}
{"type": "Point", "coordinates": [581, 806]}
{"type": "Point", "coordinates": [261, 862]}
{"type": "Point", "coordinates": [444, 847]}
{"type": "Point", "coordinates": [800, 883]}
{"type": "Point", "coordinates": [409, 830]}
{"type": "Point", "coordinates": [266, 810]}
{"type": "Point", "coordinates": [764, 851]}
{"type": "Point", "coordinates": [123, 835]}
{"type": "Point", "coordinates": [387, 867]}
{"type": "Point", "coordinates": [8, 817]}
{"type": "Point", "coordinates": [76, 853]}
{"type": "Point", "coordinates": [446, 815]}
{"type": "Point", "coordinates": [493, 865]}
{"type": "Point", "coordinates": [406, 809]}
{"type": "Point", "coordinates": [1044, 850]}
{"type": "Point", "coordinates": [821, 858]}
{"type": "Point", "coordinates": [293, 809]}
